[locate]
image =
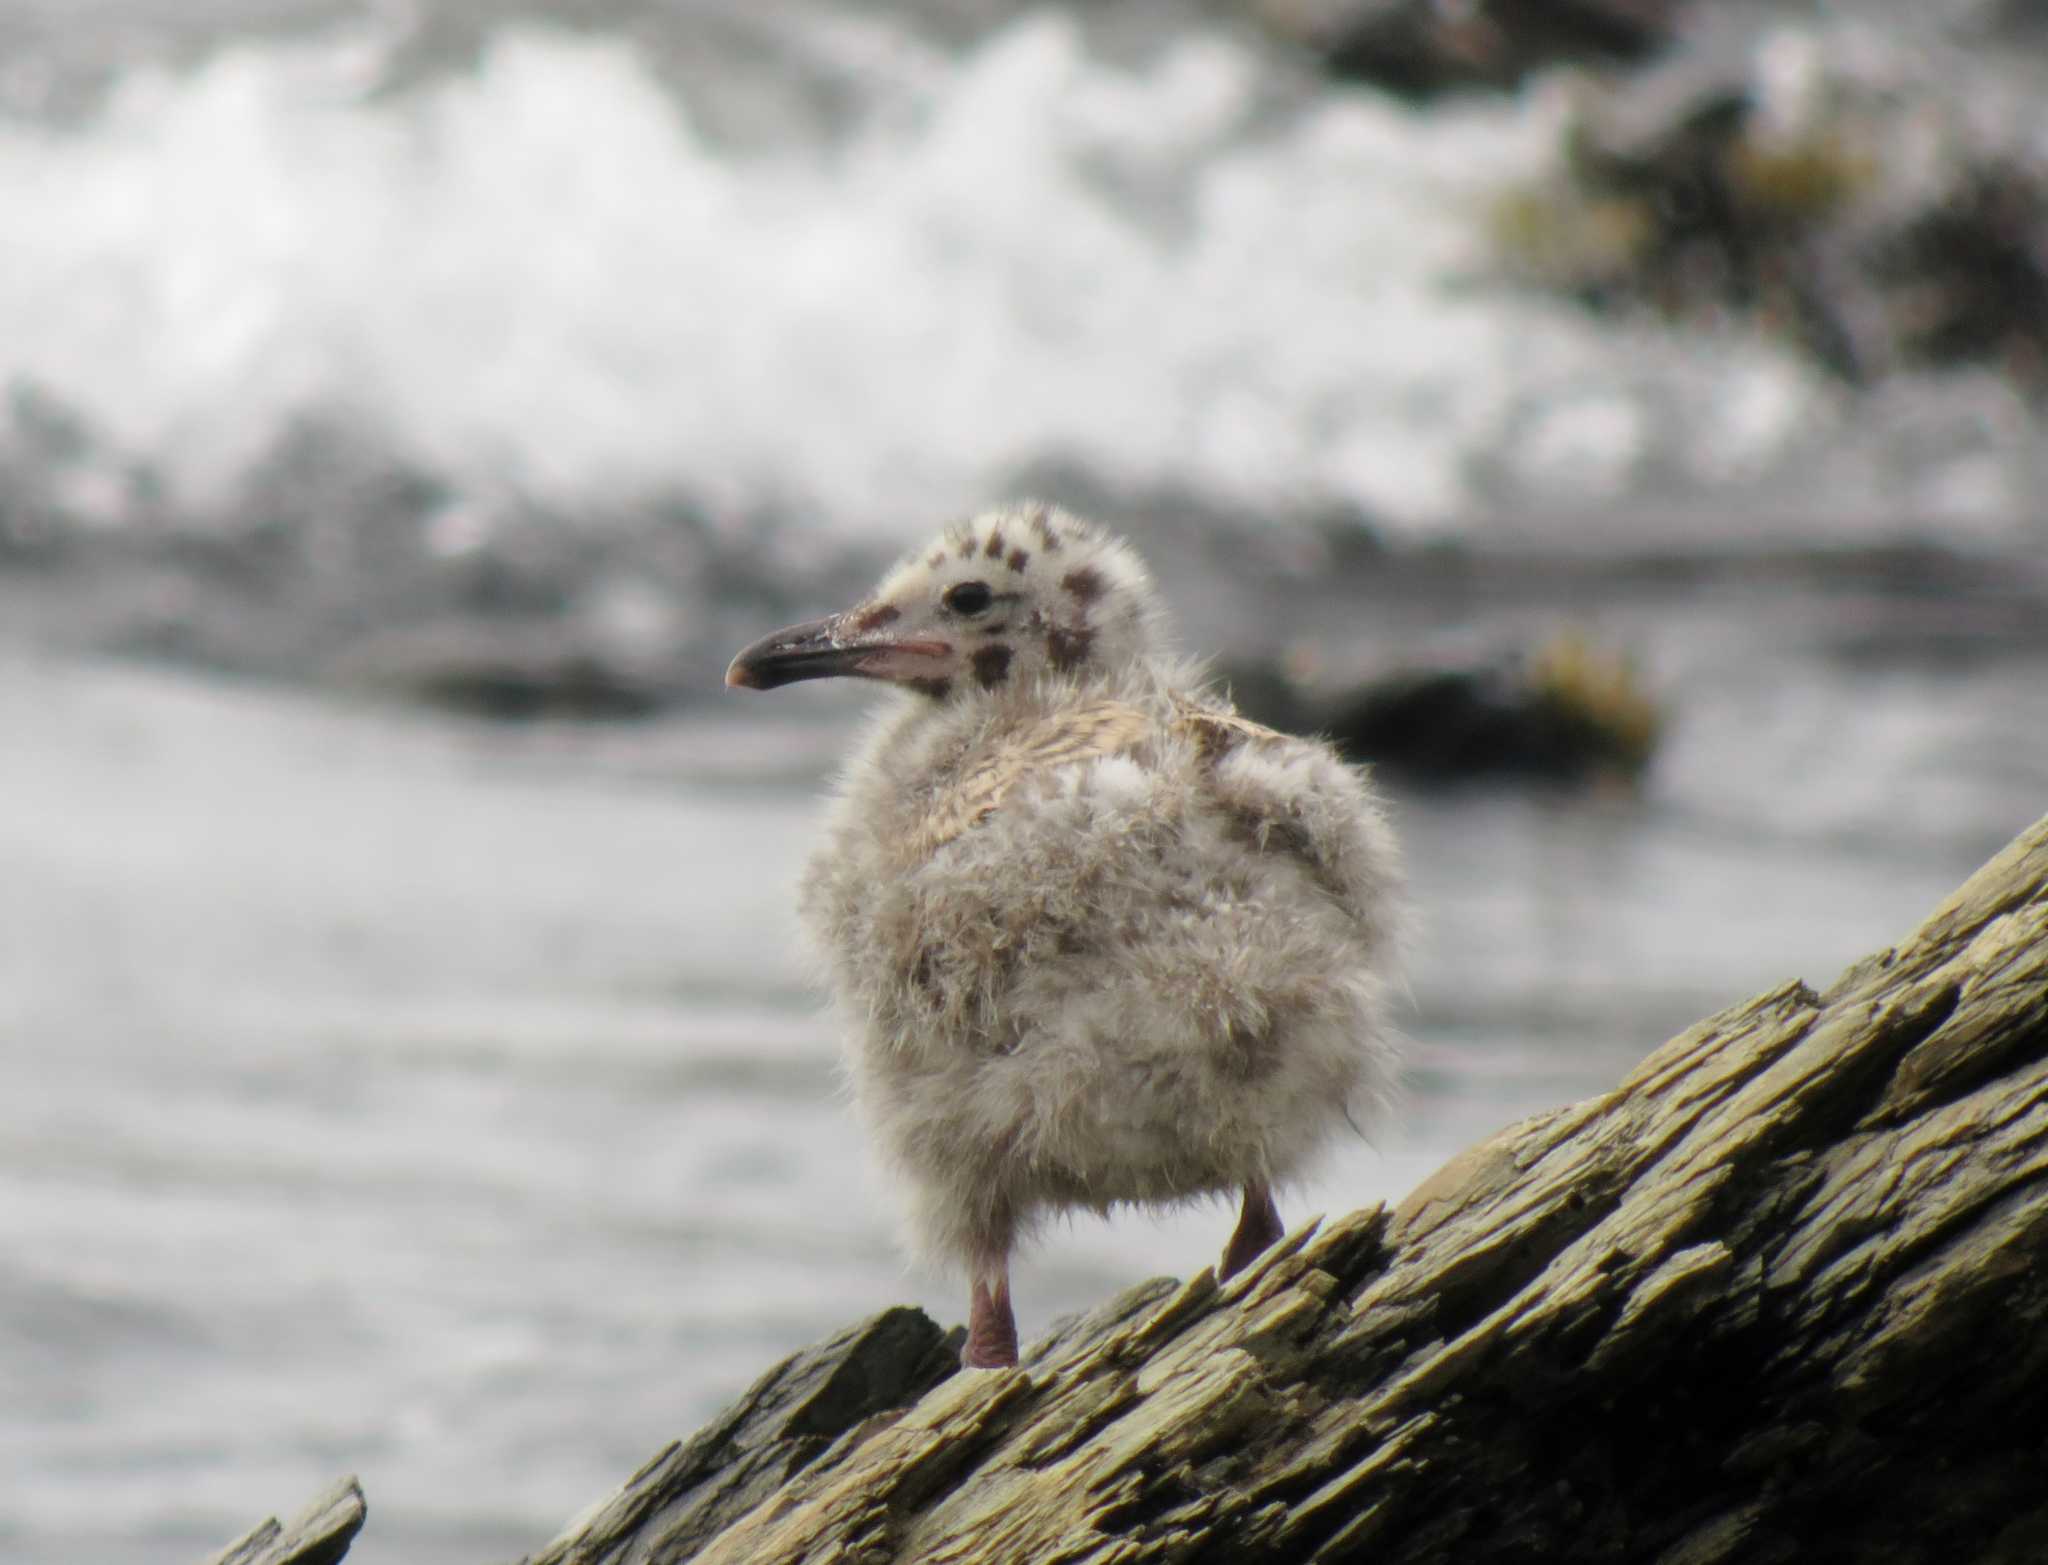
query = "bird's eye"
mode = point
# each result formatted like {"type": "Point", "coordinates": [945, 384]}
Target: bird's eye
{"type": "Point", "coordinates": [968, 597]}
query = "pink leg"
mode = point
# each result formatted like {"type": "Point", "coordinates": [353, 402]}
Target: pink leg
{"type": "Point", "coordinates": [991, 1328]}
{"type": "Point", "coordinates": [1258, 1226]}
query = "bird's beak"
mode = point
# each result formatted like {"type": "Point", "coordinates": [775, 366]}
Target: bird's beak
{"type": "Point", "coordinates": [829, 647]}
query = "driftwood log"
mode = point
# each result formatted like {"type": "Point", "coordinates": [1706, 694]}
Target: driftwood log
{"type": "Point", "coordinates": [1780, 1295]}
{"type": "Point", "coordinates": [319, 1535]}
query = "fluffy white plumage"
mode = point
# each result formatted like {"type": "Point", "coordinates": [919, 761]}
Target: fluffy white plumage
{"type": "Point", "coordinates": [1097, 939]}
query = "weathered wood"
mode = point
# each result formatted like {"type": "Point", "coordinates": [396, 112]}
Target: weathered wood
{"type": "Point", "coordinates": [693, 1490]}
{"type": "Point", "coordinates": [320, 1535]}
{"type": "Point", "coordinates": [1780, 1295]}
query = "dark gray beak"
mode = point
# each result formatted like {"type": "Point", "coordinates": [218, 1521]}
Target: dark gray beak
{"type": "Point", "coordinates": [826, 648]}
{"type": "Point", "coordinates": [812, 650]}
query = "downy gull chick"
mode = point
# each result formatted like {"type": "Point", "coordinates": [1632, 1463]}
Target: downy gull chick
{"type": "Point", "coordinates": [1098, 939]}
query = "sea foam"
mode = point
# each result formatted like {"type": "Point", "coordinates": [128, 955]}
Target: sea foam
{"type": "Point", "coordinates": [543, 277]}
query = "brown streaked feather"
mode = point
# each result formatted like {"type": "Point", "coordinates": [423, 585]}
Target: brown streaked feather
{"type": "Point", "coordinates": [1089, 732]}
{"type": "Point", "coordinates": [1215, 732]}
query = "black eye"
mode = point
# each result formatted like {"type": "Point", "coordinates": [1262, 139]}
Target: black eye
{"type": "Point", "coordinates": [968, 597]}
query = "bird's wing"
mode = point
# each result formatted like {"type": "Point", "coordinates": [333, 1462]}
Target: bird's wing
{"type": "Point", "coordinates": [1097, 729]}
{"type": "Point", "coordinates": [1217, 731]}
{"type": "Point", "coordinates": [1285, 795]}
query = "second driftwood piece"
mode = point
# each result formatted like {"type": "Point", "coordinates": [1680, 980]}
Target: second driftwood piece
{"type": "Point", "coordinates": [319, 1535]}
{"type": "Point", "coordinates": [1781, 1294]}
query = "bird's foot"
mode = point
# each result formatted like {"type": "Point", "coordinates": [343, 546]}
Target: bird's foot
{"type": "Point", "coordinates": [991, 1327]}
{"type": "Point", "coordinates": [1258, 1228]}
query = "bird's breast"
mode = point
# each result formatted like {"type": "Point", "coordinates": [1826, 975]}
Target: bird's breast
{"type": "Point", "coordinates": [1012, 762]}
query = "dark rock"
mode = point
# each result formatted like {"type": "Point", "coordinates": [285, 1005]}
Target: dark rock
{"type": "Point", "coordinates": [509, 671]}
{"type": "Point", "coordinates": [1692, 192]}
{"type": "Point", "coordinates": [1564, 712]}
{"type": "Point", "coordinates": [1421, 47]}
{"type": "Point", "coordinates": [1469, 723]}
{"type": "Point", "coordinates": [1966, 280]}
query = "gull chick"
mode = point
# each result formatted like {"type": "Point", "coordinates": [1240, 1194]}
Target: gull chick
{"type": "Point", "coordinates": [1098, 939]}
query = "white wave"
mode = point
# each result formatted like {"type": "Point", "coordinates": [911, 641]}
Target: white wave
{"type": "Point", "coordinates": [540, 275]}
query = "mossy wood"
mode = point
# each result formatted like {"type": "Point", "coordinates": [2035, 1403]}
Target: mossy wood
{"type": "Point", "coordinates": [1780, 1295]}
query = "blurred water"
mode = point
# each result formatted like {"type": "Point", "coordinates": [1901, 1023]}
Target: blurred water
{"type": "Point", "coordinates": [383, 1092]}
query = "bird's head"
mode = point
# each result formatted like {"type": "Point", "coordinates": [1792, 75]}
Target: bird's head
{"type": "Point", "coordinates": [1017, 595]}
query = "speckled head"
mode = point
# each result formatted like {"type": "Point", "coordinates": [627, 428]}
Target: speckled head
{"type": "Point", "coordinates": [1017, 595]}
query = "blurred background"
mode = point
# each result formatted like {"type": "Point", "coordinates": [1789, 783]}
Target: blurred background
{"type": "Point", "coordinates": [1621, 420]}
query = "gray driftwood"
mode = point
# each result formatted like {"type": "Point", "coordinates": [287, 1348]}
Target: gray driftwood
{"type": "Point", "coordinates": [319, 1535]}
{"type": "Point", "coordinates": [1780, 1295]}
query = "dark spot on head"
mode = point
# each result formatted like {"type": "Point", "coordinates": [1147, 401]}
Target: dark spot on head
{"type": "Point", "coordinates": [1041, 524]}
{"type": "Point", "coordinates": [995, 545]}
{"type": "Point", "coordinates": [1085, 583]}
{"type": "Point", "coordinates": [875, 617]}
{"type": "Point", "coordinates": [1068, 649]}
{"type": "Point", "coordinates": [938, 559]}
{"type": "Point", "coordinates": [937, 688]}
{"type": "Point", "coordinates": [1019, 559]}
{"type": "Point", "coordinates": [991, 666]}
{"type": "Point", "coordinates": [966, 547]}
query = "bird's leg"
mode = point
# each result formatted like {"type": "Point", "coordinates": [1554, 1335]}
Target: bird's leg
{"type": "Point", "coordinates": [991, 1328]}
{"type": "Point", "coordinates": [1258, 1226]}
